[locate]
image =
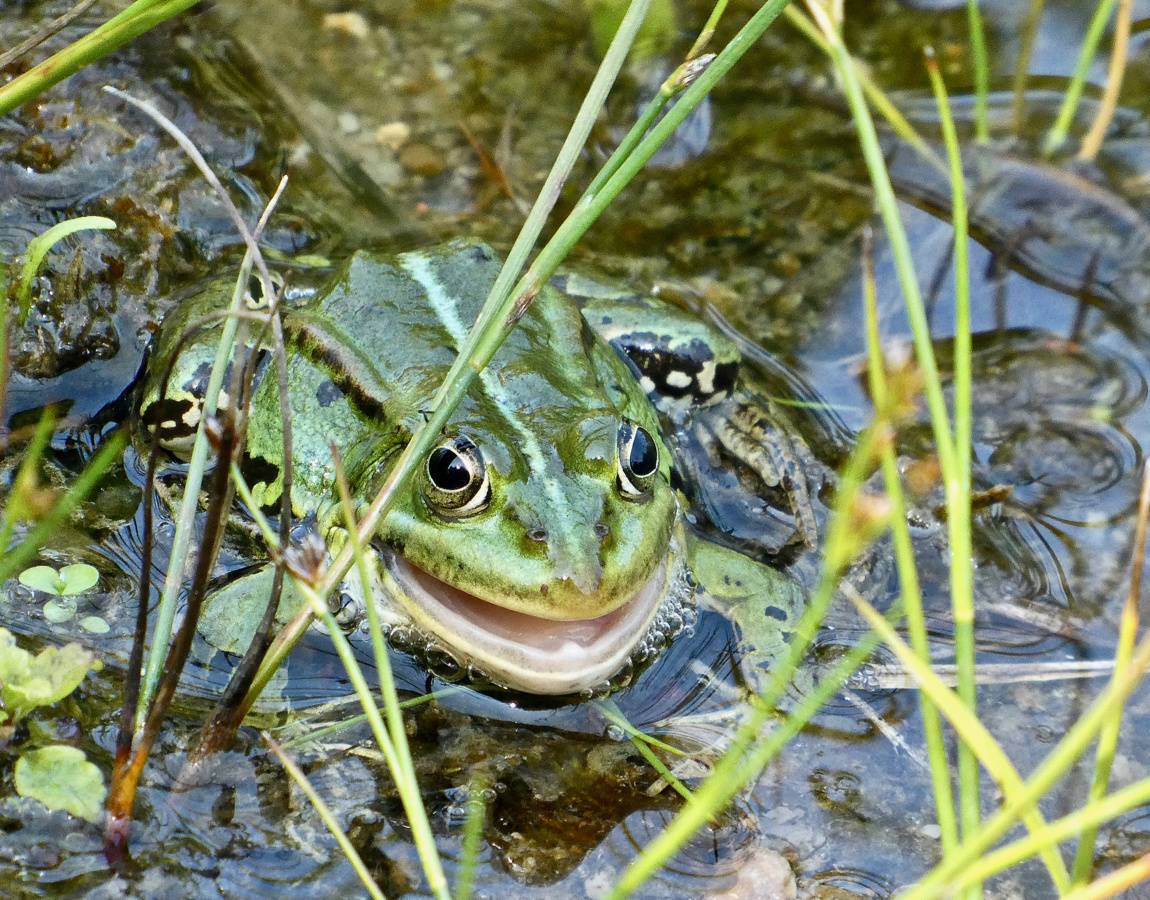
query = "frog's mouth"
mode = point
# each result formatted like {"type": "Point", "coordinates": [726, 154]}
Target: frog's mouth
{"type": "Point", "coordinates": [525, 652]}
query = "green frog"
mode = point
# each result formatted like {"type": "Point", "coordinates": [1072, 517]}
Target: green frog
{"type": "Point", "coordinates": [543, 544]}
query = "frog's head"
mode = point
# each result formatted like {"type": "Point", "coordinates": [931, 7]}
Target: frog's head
{"type": "Point", "coordinates": [545, 550]}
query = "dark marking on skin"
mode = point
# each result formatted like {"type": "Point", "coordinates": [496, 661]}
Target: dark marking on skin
{"type": "Point", "coordinates": [651, 355]}
{"type": "Point", "coordinates": [773, 612]}
{"type": "Point", "coordinates": [327, 393]}
{"type": "Point", "coordinates": [259, 470]}
{"type": "Point", "coordinates": [335, 357]}
{"type": "Point", "coordinates": [162, 411]}
{"type": "Point", "coordinates": [543, 589]}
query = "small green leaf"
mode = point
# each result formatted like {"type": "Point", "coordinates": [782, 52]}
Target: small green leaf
{"type": "Point", "coordinates": [61, 777]}
{"type": "Point", "coordinates": [78, 578]}
{"type": "Point", "coordinates": [95, 625]}
{"type": "Point", "coordinates": [57, 611]}
{"type": "Point", "coordinates": [48, 678]}
{"type": "Point", "coordinates": [44, 579]}
{"type": "Point", "coordinates": [38, 248]}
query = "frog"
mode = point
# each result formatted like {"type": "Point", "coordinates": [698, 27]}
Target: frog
{"type": "Point", "coordinates": [544, 544]}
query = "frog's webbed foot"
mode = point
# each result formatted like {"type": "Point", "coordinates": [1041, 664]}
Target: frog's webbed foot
{"type": "Point", "coordinates": [777, 457]}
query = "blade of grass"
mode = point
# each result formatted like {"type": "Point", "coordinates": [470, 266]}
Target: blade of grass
{"type": "Point", "coordinates": [1127, 633]}
{"type": "Point", "coordinates": [38, 37]}
{"type": "Point", "coordinates": [971, 731]}
{"type": "Point", "coordinates": [1061, 127]}
{"type": "Point", "coordinates": [329, 820]}
{"type": "Point", "coordinates": [132, 22]}
{"type": "Point", "coordinates": [1027, 29]}
{"type": "Point", "coordinates": [904, 557]}
{"type": "Point", "coordinates": [875, 94]}
{"type": "Point", "coordinates": [981, 65]}
{"type": "Point", "coordinates": [1052, 769]}
{"type": "Point", "coordinates": [958, 515]}
{"type": "Point", "coordinates": [1092, 142]}
{"type": "Point", "coordinates": [472, 833]}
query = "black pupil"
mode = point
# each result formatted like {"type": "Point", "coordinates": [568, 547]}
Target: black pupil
{"type": "Point", "coordinates": [448, 470]}
{"type": "Point", "coordinates": [644, 457]}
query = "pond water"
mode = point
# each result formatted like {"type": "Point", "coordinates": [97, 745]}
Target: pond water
{"type": "Point", "coordinates": [408, 123]}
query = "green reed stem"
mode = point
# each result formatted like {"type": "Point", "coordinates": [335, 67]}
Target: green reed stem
{"type": "Point", "coordinates": [981, 65]}
{"type": "Point", "coordinates": [117, 31]}
{"type": "Point", "coordinates": [1027, 29]}
{"type": "Point", "coordinates": [1108, 737]}
{"type": "Point", "coordinates": [1061, 127]}
{"type": "Point", "coordinates": [972, 732]}
{"type": "Point", "coordinates": [328, 817]}
{"type": "Point", "coordinates": [1052, 769]}
{"type": "Point", "coordinates": [958, 517]}
{"type": "Point", "coordinates": [38, 248]}
{"type": "Point", "coordinates": [907, 569]}
{"type": "Point", "coordinates": [740, 763]}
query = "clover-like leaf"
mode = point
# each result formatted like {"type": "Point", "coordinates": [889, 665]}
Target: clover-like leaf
{"type": "Point", "coordinates": [78, 578]}
{"type": "Point", "coordinates": [68, 582]}
{"type": "Point", "coordinates": [59, 610]}
{"type": "Point", "coordinates": [95, 625]}
{"type": "Point", "coordinates": [61, 777]}
{"type": "Point", "coordinates": [44, 579]}
{"type": "Point", "coordinates": [47, 678]}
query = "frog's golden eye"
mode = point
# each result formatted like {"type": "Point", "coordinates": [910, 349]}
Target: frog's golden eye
{"type": "Point", "coordinates": [638, 460]}
{"type": "Point", "coordinates": [455, 478]}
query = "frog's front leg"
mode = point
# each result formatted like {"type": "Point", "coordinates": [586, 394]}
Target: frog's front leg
{"type": "Point", "coordinates": [780, 459]}
{"type": "Point", "coordinates": [762, 602]}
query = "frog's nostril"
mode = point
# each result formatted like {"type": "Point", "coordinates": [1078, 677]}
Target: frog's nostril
{"type": "Point", "coordinates": [537, 534]}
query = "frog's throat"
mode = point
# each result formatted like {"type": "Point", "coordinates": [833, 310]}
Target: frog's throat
{"type": "Point", "coordinates": [531, 654]}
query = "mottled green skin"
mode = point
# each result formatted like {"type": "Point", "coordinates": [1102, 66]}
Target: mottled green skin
{"type": "Point", "coordinates": [366, 356]}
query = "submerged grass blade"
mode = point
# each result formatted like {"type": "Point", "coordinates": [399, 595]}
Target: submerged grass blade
{"type": "Point", "coordinates": [38, 248]}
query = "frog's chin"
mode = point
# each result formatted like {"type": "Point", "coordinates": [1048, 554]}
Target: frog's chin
{"type": "Point", "coordinates": [524, 652]}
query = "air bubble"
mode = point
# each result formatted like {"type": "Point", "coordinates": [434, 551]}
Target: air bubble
{"type": "Point", "coordinates": [615, 733]}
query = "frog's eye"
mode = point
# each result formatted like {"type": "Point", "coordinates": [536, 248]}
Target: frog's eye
{"type": "Point", "coordinates": [255, 298]}
{"type": "Point", "coordinates": [638, 460]}
{"type": "Point", "coordinates": [455, 478]}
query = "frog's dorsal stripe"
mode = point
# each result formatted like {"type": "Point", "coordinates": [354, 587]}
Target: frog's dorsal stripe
{"type": "Point", "coordinates": [419, 266]}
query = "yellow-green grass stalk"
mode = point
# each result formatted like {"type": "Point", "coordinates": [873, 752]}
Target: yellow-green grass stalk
{"type": "Point", "coordinates": [1092, 140]}
{"type": "Point", "coordinates": [1127, 634]}
{"type": "Point", "coordinates": [329, 820]}
{"type": "Point", "coordinates": [1061, 127]}
{"type": "Point", "coordinates": [971, 731]}
{"type": "Point", "coordinates": [958, 515]}
{"type": "Point", "coordinates": [1043, 779]}
{"type": "Point", "coordinates": [955, 474]}
{"type": "Point", "coordinates": [981, 65]}
{"type": "Point", "coordinates": [1048, 839]}
{"type": "Point", "coordinates": [904, 557]}
{"type": "Point", "coordinates": [875, 94]}
{"type": "Point", "coordinates": [1027, 29]}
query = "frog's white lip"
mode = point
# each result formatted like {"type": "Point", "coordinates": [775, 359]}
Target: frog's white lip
{"type": "Point", "coordinates": [524, 652]}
